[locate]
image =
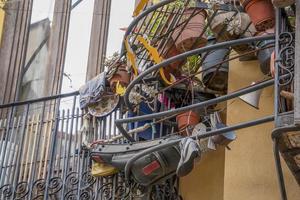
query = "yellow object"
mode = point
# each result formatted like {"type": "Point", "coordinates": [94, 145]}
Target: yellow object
{"type": "Point", "coordinates": [156, 58]}
{"type": "Point", "coordinates": [2, 15]}
{"type": "Point", "coordinates": [139, 7]}
{"type": "Point", "coordinates": [120, 90]}
{"type": "Point", "coordinates": [131, 57]}
{"type": "Point", "coordinates": [100, 169]}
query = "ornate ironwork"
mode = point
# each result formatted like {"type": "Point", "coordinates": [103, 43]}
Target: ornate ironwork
{"type": "Point", "coordinates": [286, 57]}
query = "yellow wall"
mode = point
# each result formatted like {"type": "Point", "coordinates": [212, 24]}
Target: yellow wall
{"type": "Point", "coordinates": [206, 180]}
{"type": "Point", "coordinates": [249, 167]}
{"type": "Point", "coordinates": [1, 21]}
{"type": "Point", "coordinates": [247, 171]}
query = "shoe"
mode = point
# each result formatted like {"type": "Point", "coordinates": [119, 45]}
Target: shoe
{"type": "Point", "coordinates": [190, 150]}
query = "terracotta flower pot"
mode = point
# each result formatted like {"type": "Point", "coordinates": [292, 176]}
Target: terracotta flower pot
{"type": "Point", "coordinates": [264, 55]}
{"type": "Point", "coordinates": [187, 119]}
{"type": "Point", "coordinates": [189, 38]}
{"type": "Point", "coordinates": [121, 76]}
{"type": "Point", "coordinates": [212, 78]}
{"type": "Point", "coordinates": [282, 3]}
{"type": "Point", "coordinates": [261, 12]}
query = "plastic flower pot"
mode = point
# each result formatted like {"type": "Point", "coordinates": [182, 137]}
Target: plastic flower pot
{"type": "Point", "coordinates": [215, 77]}
{"type": "Point", "coordinates": [121, 76]}
{"type": "Point", "coordinates": [261, 12]}
{"type": "Point", "coordinates": [282, 3]}
{"type": "Point", "coordinates": [264, 55]}
{"type": "Point", "coordinates": [187, 36]}
{"type": "Point", "coordinates": [186, 120]}
{"type": "Point", "coordinates": [148, 133]}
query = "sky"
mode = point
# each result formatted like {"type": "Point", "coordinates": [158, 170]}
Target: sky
{"type": "Point", "coordinates": [79, 34]}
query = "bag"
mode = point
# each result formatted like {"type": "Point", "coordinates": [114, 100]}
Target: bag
{"type": "Point", "coordinates": [156, 166]}
{"type": "Point", "coordinates": [146, 170]}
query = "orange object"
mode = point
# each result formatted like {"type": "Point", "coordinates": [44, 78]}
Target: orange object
{"type": "Point", "coordinates": [261, 12]}
{"type": "Point", "coordinates": [186, 119]}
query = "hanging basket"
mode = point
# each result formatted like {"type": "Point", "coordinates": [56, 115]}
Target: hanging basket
{"type": "Point", "coordinates": [261, 12]}
{"type": "Point", "coordinates": [213, 78]}
{"type": "Point", "coordinates": [282, 3]}
{"type": "Point", "coordinates": [188, 37]}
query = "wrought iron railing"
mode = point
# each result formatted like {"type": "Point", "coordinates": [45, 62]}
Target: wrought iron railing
{"type": "Point", "coordinates": [41, 141]}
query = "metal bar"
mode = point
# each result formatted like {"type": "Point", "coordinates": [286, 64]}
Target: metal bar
{"type": "Point", "coordinates": [186, 54]}
{"type": "Point", "coordinates": [190, 107]}
{"type": "Point", "coordinates": [74, 5]}
{"type": "Point", "coordinates": [35, 153]}
{"type": "Point", "coordinates": [21, 143]}
{"type": "Point", "coordinates": [141, 16]}
{"type": "Point", "coordinates": [19, 103]}
{"type": "Point", "coordinates": [276, 86]}
{"type": "Point", "coordinates": [297, 68]}
{"type": "Point", "coordinates": [276, 134]}
{"type": "Point", "coordinates": [52, 148]}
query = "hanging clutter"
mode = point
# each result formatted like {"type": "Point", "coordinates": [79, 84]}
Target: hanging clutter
{"type": "Point", "coordinates": [166, 146]}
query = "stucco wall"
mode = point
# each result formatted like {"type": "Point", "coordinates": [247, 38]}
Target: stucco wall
{"type": "Point", "coordinates": [206, 180]}
{"type": "Point", "coordinates": [247, 171]}
{"type": "Point", "coordinates": [249, 166]}
{"type": "Point", "coordinates": [1, 20]}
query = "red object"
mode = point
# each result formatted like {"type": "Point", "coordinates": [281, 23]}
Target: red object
{"type": "Point", "coordinates": [261, 13]}
{"type": "Point", "coordinates": [187, 119]}
{"type": "Point", "coordinates": [151, 167]}
{"type": "Point", "coordinates": [97, 159]}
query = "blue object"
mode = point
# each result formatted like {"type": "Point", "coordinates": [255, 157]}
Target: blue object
{"type": "Point", "coordinates": [154, 129]}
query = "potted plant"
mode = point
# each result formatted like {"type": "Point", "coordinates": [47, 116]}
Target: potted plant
{"type": "Point", "coordinates": [179, 96]}
{"type": "Point", "coordinates": [187, 35]}
{"type": "Point", "coordinates": [261, 12]}
{"type": "Point", "coordinates": [117, 71]}
{"type": "Point", "coordinates": [215, 77]}
{"type": "Point", "coordinates": [230, 26]}
{"type": "Point", "coordinates": [264, 55]}
{"type": "Point", "coordinates": [187, 120]}
{"type": "Point", "coordinates": [282, 3]}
